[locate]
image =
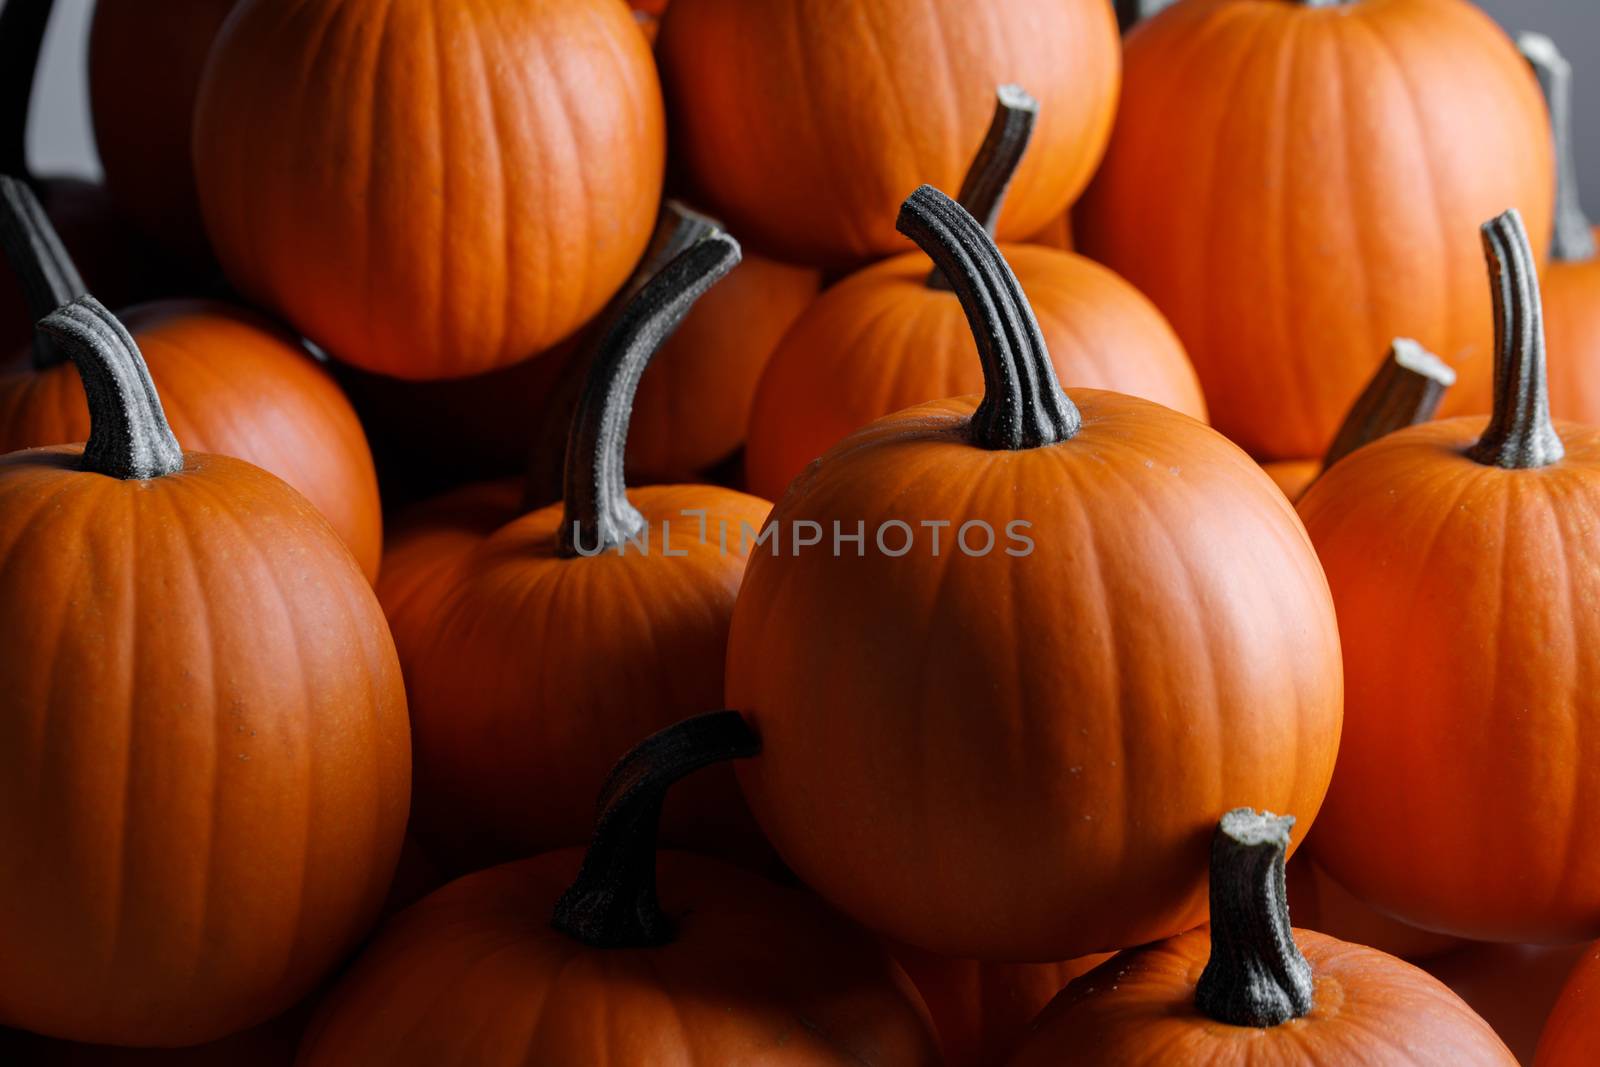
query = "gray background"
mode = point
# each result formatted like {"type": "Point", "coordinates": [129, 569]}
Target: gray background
{"type": "Point", "coordinates": [60, 141]}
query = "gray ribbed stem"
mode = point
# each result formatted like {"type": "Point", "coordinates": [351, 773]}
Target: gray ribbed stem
{"type": "Point", "coordinates": [598, 515]}
{"type": "Point", "coordinates": [1406, 391]}
{"type": "Point", "coordinates": [1132, 12]}
{"type": "Point", "coordinates": [677, 228]}
{"type": "Point", "coordinates": [128, 433]}
{"type": "Point", "coordinates": [983, 190]}
{"type": "Point", "coordinates": [613, 903]}
{"type": "Point", "coordinates": [22, 26]}
{"type": "Point", "coordinates": [1574, 235]}
{"type": "Point", "coordinates": [1520, 435]}
{"type": "Point", "coordinates": [1023, 403]}
{"type": "Point", "coordinates": [45, 272]}
{"type": "Point", "coordinates": [1256, 975]}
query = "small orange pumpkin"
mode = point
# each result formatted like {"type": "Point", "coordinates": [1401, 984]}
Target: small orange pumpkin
{"type": "Point", "coordinates": [1573, 1029]}
{"type": "Point", "coordinates": [1252, 990]}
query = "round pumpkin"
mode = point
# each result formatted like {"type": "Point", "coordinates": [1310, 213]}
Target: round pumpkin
{"type": "Point", "coordinates": [893, 335]}
{"type": "Point", "coordinates": [231, 384]}
{"type": "Point", "coordinates": [620, 956]}
{"type": "Point", "coordinates": [1249, 989]}
{"type": "Point", "coordinates": [961, 735]}
{"type": "Point", "coordinates": [1571, 1032]}
{"type": "Point", "coordinates": [1318, 902]}
{"type": "Point", "coordinates": [539, 642]}
{"type": "Point", "coordinates": [430, 189]}
{"type": "Point", "coordinates": [204, 755]}
{"type": "Point", "coordinates": [816, 120]}
{"type": "Point", "coordinates": [1290, 226]}
{"type": "Point", "coordinates": [1467, 581]}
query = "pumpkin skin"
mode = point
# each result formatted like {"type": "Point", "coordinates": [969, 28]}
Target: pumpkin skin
{"type": "Point", "coordinates": [1319, 903]}
{"type": "Point", "coordinates": [436, 226]}
{"type": "Point", "coordinates": [231, 384]}
{"type": "Point", "coordinates": [1572, 324]}
{"type": "Point", "coordinates": [892, 93]}
{"type": "Point", "coordinates": [145, 62]}
{"type": "Point", "coordinates": [1570, 1034]}
{"type": "Point", "coordinates": [1371, 198]}
{"type": "Point", "coordinates": [1512, 987]}
{"type": "Point", "coordinates": [882, 340]}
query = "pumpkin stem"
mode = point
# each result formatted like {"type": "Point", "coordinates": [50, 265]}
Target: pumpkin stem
{"type": "Point", "coordinates": [22, 26]}
{"type": "Point", "coordinates": [1574, 235]}
{"type": "Point", "coordinates": [677, 228]}
{"type": "Point", "coordinates": [983, 190]}
{"type": "Point", "coordinates": [598, 515]}
{"type": "Point", "coordinates": [1520, 435]}
{"type": "Point", "coordinates": [613, 903]}
{"type": "Point", "coordinates": [1256, 975]}
{"type": "Point", "coordinates": [1023, 404]}
{"type": "Point", "coordinates": [128, 433]}
{"type": "Point", "coordinates": [45, 272]}
{"type": "Point", "coordinates": [1132, 12]}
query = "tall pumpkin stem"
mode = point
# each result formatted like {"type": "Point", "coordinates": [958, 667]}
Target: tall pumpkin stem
{"type": "Point", "coordinates": [1023, 404]}
{"type": "Point", "coordinates": [1256, 975]}
{"type": "Point", "coordinates": [22, 26]}
{"type": "Point", "coordinates": [613, 902]}
{"type": "Point", "coordinates": [983, 190]}
{"type": "Point", "coordinates": [45, 272]}
{"type": "Point", "coordinates": [1520, 435]}
{"type": "Point", "coordinates": [128, 433]}
{"type": "Point", "coordinates": [1574, 234]}
{"type": "Point", "coordinates": [598, 514]}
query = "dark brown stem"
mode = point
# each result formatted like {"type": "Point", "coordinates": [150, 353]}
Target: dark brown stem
{"type": "Point", "coordinates": [45, 272]}
{"type": "Point", "coordinates": [1023, 404]}
{"type": "Point", "coordinates": [1132, 12]}
{"type": "Point", "coordinates": [128, 433]}
{"type": "Point", "coordinates": [677, 228]}
{"type": "Point", "coordinates": [1574, 234]}
{"type": "Point", "coordinates": [1520, 435]}
{"type": "Point", "coordinates": [22, 26]}
{"type": "Point", "coordinates": [1256, 975]}
{"type": "Point", "coordinates": [613, 903]}
{"type": "Point", "coordinates": [598, 515]}
{"type": "Point", "coordinates": [983, 190]}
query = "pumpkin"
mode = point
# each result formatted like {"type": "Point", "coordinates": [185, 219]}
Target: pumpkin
{"type": "Point", "coordinates": [1570, 1033]}
{"type": "Point", "coordinates": [1320, 903]}
{"type": "Point", "coordinates": [1512, 987]}
{"type": "Point", "coordinates": [540, 641]}
{"type": "Point", "coordinates": [814, 123]}
{"type": "Point", "coordinates": [981, 1010]}
{"type": "Point", "coordinates": [145, 62]}
{"type": "Point", "coordinates": [204, 754]}
{"type": "Point", "coordinates": [624, 956]}
{"type": "Point", "coordinates": [439, 225]}
{"type": "Point", "coordinates": [1571, 284]}
{"type": "Point", "coordinates": [892, 335]}
{"type": "Point", "coordinates": [960, 736]}
{"type": "Point", "coordinates": [233, 385]}
{"type": "Point", "coordinates": [1290, 226]}
{"type": "Point", "coordinates": [1405, 391]}
{"type": "Point", "coordinates": [1467, 581]}
{"type": "Point", "coordinates": [1249, 989]}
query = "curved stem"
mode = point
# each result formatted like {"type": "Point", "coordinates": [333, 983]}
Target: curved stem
{"type": "Point", "coordinates": [598, 515]}
{"type": "Point", "coordinates": [1256, 975]}
{"type": "Point", "coordinates": [613, 903]}
{"type": "Point", "coordinates": [45, 272]}
{"type": "Point", "coordinates": [1574, 234]}
{"type": "Point", "coordinates": [1520, 435]}
{"type": "Point", "coordinates": [983, 190]}
{"type": "Point", "coordinates": [1023, 404]}
{"type": "Point", "coordinates": [22, 26]}
{"type": "Point", "coordinates": [677, 228]}
{"type": "Point", "coordinates": [128, 433]}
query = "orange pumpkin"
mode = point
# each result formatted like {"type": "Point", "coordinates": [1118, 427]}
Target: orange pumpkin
{"type": "Point", "coordinates": [892, 335]}
{"type": "Point", "coordinates": [231, 383]}
{"type": "Point", "coordinates": [1572, 280]}
{"type": "Point", "coordinates": [1288, 225]}
{"type": "Point", "coordinates": [960, 740]}
{"type": "Point", "coordinates": [1249, 989]}
{"type": "Point", "coordinates": [1319, 903]}
{"type": "Point", "coordinates": [621, 956]}
{"type": "Point", "coordinates": [439, 224]}
{"type": "Point", "coordinates": [1467, 580]}
{"type": "Point", "coordinates": [538, 641]}
{"type": "Point", "coordinates": [814, 123]}
{"type": "Point", "coordinates": [1571, 1032]}
{"type": "Point", "coordinates": [1405, 391]}
{"type": "Point", "coordinates": [204, 756]}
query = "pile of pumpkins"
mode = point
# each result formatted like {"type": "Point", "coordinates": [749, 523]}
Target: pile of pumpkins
{"type": "Point", "coordinates": [604, 533]}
